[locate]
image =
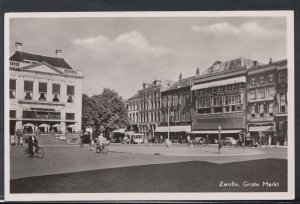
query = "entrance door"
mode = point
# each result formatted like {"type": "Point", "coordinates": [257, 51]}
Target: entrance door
{"type": "Point", "coordinates": [12, 127]}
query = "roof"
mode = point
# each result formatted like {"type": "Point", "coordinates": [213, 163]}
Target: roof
{"type": "Point", "coordinates": [54, 61]}
{"type": "Point", "coordinates": [136, 95]}
{"type": "Point", "coordinates": [162, 84]}
{"type": "Point", "coordinates": [182, 83]}
{"type": "Point", "coordinates": [230, 65]}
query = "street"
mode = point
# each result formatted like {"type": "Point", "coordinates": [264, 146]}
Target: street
{"type": "Point", "coordinates": [149, 168]}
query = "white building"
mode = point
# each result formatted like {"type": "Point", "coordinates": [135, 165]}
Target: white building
{"type": "Point", "coordinates": [45, 93]}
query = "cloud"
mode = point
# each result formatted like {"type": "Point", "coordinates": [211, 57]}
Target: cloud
{"type": "Point", "coordinates": [129, 42]}
{"type": "Point", "coordinates": [247, 29]}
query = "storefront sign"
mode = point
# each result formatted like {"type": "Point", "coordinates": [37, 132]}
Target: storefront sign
{"type": "Point", "coordinates": [261, 128]}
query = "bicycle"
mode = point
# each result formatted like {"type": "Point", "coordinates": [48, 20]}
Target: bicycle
{"type": "Point", "coordinates": [101, 148]}
{"type": "Point", "coordinates": [39, 152]}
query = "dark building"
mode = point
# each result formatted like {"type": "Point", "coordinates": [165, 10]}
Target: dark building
{"type": "Point", "coordinates": [220, 99]}
{"type": "Point", "coordinates": [267, 102]}
{"type": "Point", "coordinates": [177, 108]}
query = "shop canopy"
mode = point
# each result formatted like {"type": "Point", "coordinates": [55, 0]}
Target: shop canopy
{"type": "Point", "coordinates": [119, 131]}
{"type": "Point", "coordinates": [219, 83]}
{"type": "Point", "coordinates": [174, 129]}
{"type": "Point", "coordinates": [214, 131]}
{"type": "Point", "coordinates": [44, 125]}
{"type": "Point", "coordinates": [28, 125]}
{"type": "Point", "coordinates": [56, 125]}
{"type": "Point", "coordinates": [71, 126]}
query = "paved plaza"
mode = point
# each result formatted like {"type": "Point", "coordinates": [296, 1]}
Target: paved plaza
{"type": "Point", "coordinates": [64, 163]}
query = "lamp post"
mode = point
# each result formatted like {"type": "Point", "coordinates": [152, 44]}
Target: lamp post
{"type": "Point", "coordinates": [219, 145]}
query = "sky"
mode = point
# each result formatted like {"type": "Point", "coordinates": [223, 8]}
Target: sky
{"type": "Point", "coordinates": [121, 53]}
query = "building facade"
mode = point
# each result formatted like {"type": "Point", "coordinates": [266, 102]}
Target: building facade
{"type": "Point", "coordinates": [150, 102]}
{"type": "Point", "coordinates": [176, 110]}
{"type": "Point", "coordinates": [45, 93]}
{"type": "Point", "coordinates": [133, 106]}
{"type": "Point", "coordinates": [220, 99]}
{"type": "Point", "coordinates": [267, 102]}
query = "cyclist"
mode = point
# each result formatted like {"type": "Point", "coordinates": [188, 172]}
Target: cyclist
{"type": "Point", "coordinates": [101, 141]}
{"type": "Point", "coordinates": [32, 141]}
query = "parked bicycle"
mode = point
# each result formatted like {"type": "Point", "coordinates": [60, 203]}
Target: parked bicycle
{"type": "Point", "coordinates": [39, 152]}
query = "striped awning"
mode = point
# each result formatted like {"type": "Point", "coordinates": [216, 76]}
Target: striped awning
{"type": "Point", "coordinates": [219, 83]}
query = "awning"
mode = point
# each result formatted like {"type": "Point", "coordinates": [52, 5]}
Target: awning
{"type": "Point", "coordinates": [71, 126]}
{"type": "Point", "coordinates": [44, 125]}
{"type": "Point", "coordinates": [28, 125]}
{"type": "Point", "coordinates": [56, 125]}
{"type": "Point", "coordinates": [214, 131]}
{"type": "Point", "coordinates": [219, 83]}
{"type": "Point", "coordinates": [119, 131]}
{"type": "Point", "coordinates": [186, 128]}
{"type": "Point", "coordinates": [261, 128]}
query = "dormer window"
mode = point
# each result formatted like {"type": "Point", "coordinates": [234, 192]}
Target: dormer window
{"type": "Point", "coordinates": [70, 94]}
{"type": "Point", "coordinates": [42, 91]}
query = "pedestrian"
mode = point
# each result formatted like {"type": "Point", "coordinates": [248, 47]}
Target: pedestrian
{"type": "Point", "coordinates": [21, 140]}
{"type": "Point", "coordinates": [188, 140]}
{"type": "Point", "coordinates": [12, 140]}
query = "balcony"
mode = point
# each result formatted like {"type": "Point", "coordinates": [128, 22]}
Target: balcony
{"type": "Point", "coordinates": [40, 102]}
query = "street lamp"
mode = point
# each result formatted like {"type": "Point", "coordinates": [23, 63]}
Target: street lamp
{"type": "Point", "coordinates": [219, 145]}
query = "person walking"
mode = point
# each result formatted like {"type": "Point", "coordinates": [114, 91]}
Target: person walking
{"type": "Point", "coordinates": [188, 140]}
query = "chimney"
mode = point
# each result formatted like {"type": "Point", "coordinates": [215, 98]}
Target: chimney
{"type": "Point", "coordinates": [144, 85]}
{"type": "Point", "coordinates": [19, 46]}
{"type": "Point", "coordinates": [255, 64]}
{"type": "Point", "coordinates": [198, 72]}
{"type": "Point", "coordinates": [270, 62]}
{"type": "Point", "coordinates": [180, 76]}
{"type": "Point", "coordinates": [58, 53]}
{"type": "Point", "coordinates": [155, 82]}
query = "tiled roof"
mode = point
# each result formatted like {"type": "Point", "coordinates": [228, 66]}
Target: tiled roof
{"type": "Point", "coordinates": [182, 83]}
{"type": "Point", "coordinates": [230, 65]}
{"type": "Point", "coordinates": [54, 61]}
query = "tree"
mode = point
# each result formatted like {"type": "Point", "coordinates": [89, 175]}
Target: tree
{"type": "Point", "coordinates": [105, 112]}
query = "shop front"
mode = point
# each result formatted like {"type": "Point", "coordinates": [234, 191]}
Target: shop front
{"type": "Point", "coordinates": [177, 134]}
{"type": "Point", "coordinates": [263, 133]}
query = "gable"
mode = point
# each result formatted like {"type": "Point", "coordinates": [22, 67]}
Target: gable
{"type": "Point", "coordinates": [43, 68]}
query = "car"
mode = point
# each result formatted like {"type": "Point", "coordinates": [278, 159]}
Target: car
{"type": "Point", "coordinates": [199, 140]}
{"type": "Point", "coordinates": [229, 141]}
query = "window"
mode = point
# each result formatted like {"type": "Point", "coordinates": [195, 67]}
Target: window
{"type": "Point", "coordinates": [70, 94]}
{"type": "Point", "coordinates": [12, 114]}
{"type": "Point", "coordinates": [42, 91]}
{"type": "Point", "coordinates": [70, 116]}
{"type": "Point", "coordinates": [12, 88]}
{"type": "Point", "coordinates": [54, 115]}
{"type": "Point", "coordinates": [202, 103]}
{"type": "Point", "coordinates": [270, 78]}
{"type": "Point", "coordinates": [28, 114]}
{"type": "Point", "coordinates": [261, 110]}
{"type": "Point", "coordinates": [270, 109]}
{"type": "Point", "coordinates": [253, 111]}
{"type": "Point", "coordinates": [282, 77]}
{"type": "Point", "coordinates": [220, 89]}
{"type": "Point", "coordinates": [252, 94]}
{"type": "Point", "coordinates": [217, 101]}
{"type": "Point", "coordinates": [282, 103]}
{"type": "Point", "coordinates": [214, 90]}
{"type": "Point", "coordinates": [234, 86]}
{"type": "Point", "coordinates": [270, 92]}
{"type": "Point", "coordinates": [262, 79]}
{"type": "Point", "coordinates": [261, 93]}
{"type": "Point", "coordinates": [55, 92]}
{"type": "Point", "coordinates": [252, 82]}
{"type": "Point", "coordinates": [28, 90]}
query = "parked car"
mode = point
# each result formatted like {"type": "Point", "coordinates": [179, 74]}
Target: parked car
{"type": "Point", "coordinates": [198, 140]}
{"type": "Point", "coordinates": [229, 141]}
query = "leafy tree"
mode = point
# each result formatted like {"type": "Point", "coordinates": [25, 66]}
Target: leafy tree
{"type": "Point", "coordinates": [104, 112]}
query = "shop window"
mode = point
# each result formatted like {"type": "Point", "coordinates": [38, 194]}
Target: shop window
{"type": "Point", "coordinates": [204, 110]}
{"type": "Point", "coordinates": [234, 86]}
{"type": "Point", "coordinates": [261, 93]}
{"type": "Point", "coordinates": [12, 113]}
{"type": "Point", "coordinates": [55, 92]}
{"type": "Point", "coordinates": [12, 88]}
{"type": "Point", "coordinates": [70, 94]}
{"type": "Point", "coordinates": [282, 103]}
{"type": "Point", "coordinates": [253, 81]}
{"type": "Point", "coordinates": [29, 114]}
{"type": "Point", "coordinates": [252, 94]}
{"type": "Point", "coordinates": [262, 79]}
{"type": "Point", "coordinates": [42, 91]}
{"type": "Point", "coordinates": [70, 116]}
{"type": "Point", "coordinates": [282, 77]}
{"type": "Point", "coordinates": [217, 101]}
{"type": "Point", "coordinates": [270, 78]}
{"type": "Point", "coordinates": [214, 90]}
{"type": "Point", "coordinates": [28, 90]}
{"type": "Point", "coordinates": [54, 115]}
{"type": "Point", "coordinates": [242, 85]}
{"type": "Point", "coordinates": [227, 108]}
{"type": "Point", "coordinates": [218, 110]}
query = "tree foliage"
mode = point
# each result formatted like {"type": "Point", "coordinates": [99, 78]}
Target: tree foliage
{"type": "Point", "coordinates": [104, 112]}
